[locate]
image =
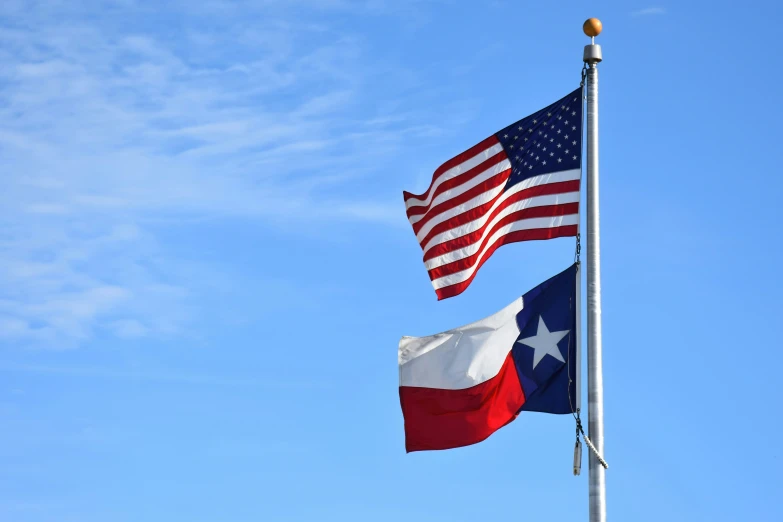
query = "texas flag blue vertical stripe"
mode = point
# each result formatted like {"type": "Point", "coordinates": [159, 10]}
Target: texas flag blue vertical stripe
{"type": "Point", "coordinates": [550, 320]}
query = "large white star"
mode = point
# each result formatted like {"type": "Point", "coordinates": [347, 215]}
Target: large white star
{"type": "Point", "coordinates": [544, 342]}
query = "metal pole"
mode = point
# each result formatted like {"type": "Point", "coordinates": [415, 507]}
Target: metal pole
{"type": "Point", "coordinates": [595, 383]}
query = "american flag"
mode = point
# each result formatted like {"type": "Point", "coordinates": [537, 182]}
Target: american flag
{"type": "Point", "coordinates": [522, 183]}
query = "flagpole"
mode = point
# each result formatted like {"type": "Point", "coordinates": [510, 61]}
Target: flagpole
{"type": "Point", "coordinates": [595, 383]}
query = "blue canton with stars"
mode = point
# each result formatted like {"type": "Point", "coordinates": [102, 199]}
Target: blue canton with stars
{"type": "Point", "coordinates": [548, 141]}
{"type": "Point", "coordinates": [547, 325]}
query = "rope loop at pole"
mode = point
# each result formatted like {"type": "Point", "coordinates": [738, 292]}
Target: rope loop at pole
{"type": "Point", "coordinates": [590, 444]}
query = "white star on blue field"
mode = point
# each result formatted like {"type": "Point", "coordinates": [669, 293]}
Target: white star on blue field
{"type": "Point", "coordinates": [206, 265]}
{"type": "Point", "coordinates": [544, 343]}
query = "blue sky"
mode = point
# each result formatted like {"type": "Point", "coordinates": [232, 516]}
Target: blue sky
{"type": "Point", "coordinates": [205, 265]}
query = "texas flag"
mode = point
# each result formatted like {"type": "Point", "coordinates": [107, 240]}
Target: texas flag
{"type": "Point", "coordinates": [460, 386]}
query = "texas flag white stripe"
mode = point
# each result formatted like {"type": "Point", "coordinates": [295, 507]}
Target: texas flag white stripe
{"type": "Point", "coordinates": [460, 358]}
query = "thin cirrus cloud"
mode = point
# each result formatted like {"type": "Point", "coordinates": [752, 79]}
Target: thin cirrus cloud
{"type": "Point", "coordinates": [648, 11]}
{"type": "Point", "coordinates": [163, 376]}
{"type": "Point", "coordinates": [108, 132]}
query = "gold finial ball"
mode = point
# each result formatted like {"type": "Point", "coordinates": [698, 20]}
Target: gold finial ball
{"type": "Point", "coordinates": [592, 27]}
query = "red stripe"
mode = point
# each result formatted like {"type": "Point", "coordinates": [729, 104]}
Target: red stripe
{"type": "Point", "coordinates": [442, 419]}
{"type": "Point", "coordinates": [493, 182]}
{"type": "Point", "coordinates": [466, 262]}
{"type": "Point", "coordinates": [453, 162]}
{"type": "Point", "coordinates": [476, 213]}
{"type": "Point", "coordinates": [466, 176]}
{"type": "Point", "coordinates": [513, 237]}
{"type": "Point", "coordinates": [564, 209]}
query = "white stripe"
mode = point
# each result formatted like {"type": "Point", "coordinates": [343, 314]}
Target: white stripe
{"type": "Point", "coordinates": [525, 224]}
{"type": "Point", "coordinates": [544, 179]}
{"type": "Point", "coordinates": [460, 358]}
{"type": "Point", "coordinates": [479, 200]}
{"type": "Point", "coordinates": [536, 201]}
{"type": "Point", "coordinates": [461, 189]}
{"type": "Point", "coordinates": [453, 172]}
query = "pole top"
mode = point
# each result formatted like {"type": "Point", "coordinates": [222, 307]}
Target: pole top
{"type": "Point", "coordinates": [592, 27]}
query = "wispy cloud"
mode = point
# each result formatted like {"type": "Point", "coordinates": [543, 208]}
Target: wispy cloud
{"type": "Point", "coordinates": [109, 128]}
{"type": "Point", "coordinates": [647, 11]}
{"type": "Point", "coordinates": [161, 376]}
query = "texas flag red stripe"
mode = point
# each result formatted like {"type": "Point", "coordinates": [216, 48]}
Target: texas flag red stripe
{"type": "Point", "coordinates": [442, 419]}
{"type": "Point", "coordinates": [450, 398]}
